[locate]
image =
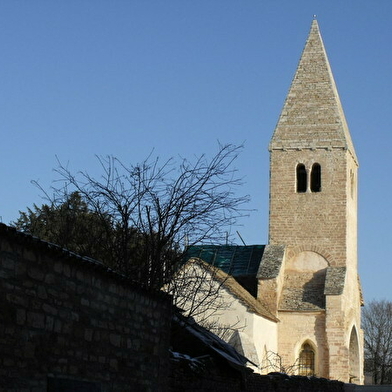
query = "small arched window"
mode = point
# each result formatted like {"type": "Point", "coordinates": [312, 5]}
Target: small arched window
{"type": "Point", "coordinates": [302, 182]}
{"type": "Point", "coordinates": [306, 360]}
{"type": "Point", "coordinates": [315, 178]}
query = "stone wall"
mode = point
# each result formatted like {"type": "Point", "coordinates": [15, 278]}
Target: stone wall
{"type": "Point", "coordinates": [311, 219]}
{"type": "Point", "coordinates": [219, 379]}
{"type": "Point", "coordinates": [69, 322]}
{"type": "Point", "coordinates": [295, 329]}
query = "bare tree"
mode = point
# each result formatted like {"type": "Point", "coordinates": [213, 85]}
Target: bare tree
{"type": "Point", "coordinates": [198, 289]}
{"type": "Point", "coordinates": [273, 362]}
{"type": "Point", "coordinates": [377, 326]}
{"type": "Point", "coordinates": [155, 208]}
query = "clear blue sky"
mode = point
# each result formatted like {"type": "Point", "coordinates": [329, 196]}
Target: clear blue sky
{"type": "Point", "coordinates": [79, 78]}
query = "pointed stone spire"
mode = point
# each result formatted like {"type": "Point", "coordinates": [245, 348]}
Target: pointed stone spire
{"type": "Point", "coordinates": [312, 116]}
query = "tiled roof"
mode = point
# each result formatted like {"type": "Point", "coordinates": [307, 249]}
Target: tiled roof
{"type": "Point", "coordinates": [203, 342]}
{"type": "Point", "coordinates": [234, 260]}
{"type": "Point", "coordinates": [303, 291]}
{"type": "Point", "coordinates": [312, 116]}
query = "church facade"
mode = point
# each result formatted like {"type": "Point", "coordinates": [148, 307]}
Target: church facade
{"type": "Point", "coordinates": [306, 278]}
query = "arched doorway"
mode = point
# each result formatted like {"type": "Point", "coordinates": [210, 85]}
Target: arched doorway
{"type": "Point", "coordinates": [354, 357]}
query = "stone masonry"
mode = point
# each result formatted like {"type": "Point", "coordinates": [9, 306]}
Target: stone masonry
{"type": "Point", "coordinates": [68, 320]}
{"type": "Point", "coordinates": [319, 298]}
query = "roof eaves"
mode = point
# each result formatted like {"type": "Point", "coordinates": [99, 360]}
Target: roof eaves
{"type": "Point", "coordinates": [213, 342]}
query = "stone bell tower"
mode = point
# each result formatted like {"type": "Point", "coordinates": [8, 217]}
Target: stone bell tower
{"type": "Point", "coordinates": [313, 216]}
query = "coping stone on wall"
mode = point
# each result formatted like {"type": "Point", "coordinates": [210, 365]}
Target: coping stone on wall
{"type": "Point", "coordinates": [271, 261]}
{"type": "Point", "coordinates": [334, 281]}
{"type": "Point", "coordinates": [32, 242]}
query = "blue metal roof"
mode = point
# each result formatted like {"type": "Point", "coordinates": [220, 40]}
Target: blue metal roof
{"type": "Point", "coordinates": [234, 260]}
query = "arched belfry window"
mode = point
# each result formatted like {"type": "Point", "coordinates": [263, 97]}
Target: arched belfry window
{"type": "Point", "coordinates": [302, 182]}
{"type": "Point", "coordinates": [315, 178]}
{"type": "Point", "coordinates": [306, 360]}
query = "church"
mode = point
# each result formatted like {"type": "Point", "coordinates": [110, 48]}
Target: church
{"type": "Point", "coordinates": [298, 299]}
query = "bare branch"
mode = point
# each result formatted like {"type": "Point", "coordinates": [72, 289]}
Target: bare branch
{"type": "Point", "coordinates": [150, 208]}
{"type": "Point", "coordinates": [377, 325]}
